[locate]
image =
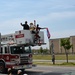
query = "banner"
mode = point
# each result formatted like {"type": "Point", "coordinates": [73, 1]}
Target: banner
{"type": "Point", "coordinates": [48, 33]}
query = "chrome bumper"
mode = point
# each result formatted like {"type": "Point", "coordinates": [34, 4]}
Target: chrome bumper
{"type": "Point", "coordinates": [22, 66]}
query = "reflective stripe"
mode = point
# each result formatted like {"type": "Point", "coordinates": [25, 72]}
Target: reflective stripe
{"type": "Point", "coordinates": [10, 63]}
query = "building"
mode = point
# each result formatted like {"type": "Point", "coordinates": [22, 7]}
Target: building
{"type": "Point", "coordinates": [57, 47]}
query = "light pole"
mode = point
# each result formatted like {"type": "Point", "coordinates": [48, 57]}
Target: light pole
{"type": "Point", "coordinates": [52, 52]}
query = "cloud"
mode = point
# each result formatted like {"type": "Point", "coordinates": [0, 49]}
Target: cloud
{"type": "Point", "coordinates": [57, 16]}
{"type": "Point", "coordinates": [51, 17]}
{"type": "Point", "coordinates": [62, 34]}
{"type": "Point", "coordinates": [62, 15]}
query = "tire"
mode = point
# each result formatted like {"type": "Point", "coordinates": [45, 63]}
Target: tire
{"type": "Point", "coordinates": [2, 67]}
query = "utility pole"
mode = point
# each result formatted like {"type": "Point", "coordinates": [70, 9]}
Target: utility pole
{"type": "Point", "coordinates": [52, 52]}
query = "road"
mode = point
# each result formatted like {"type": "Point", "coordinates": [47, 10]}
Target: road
{"type": "Point", "coordinates": [49, 70]}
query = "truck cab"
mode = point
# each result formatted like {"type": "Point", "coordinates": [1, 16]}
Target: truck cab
{"type": "Point", "coordinates": [15, 57]}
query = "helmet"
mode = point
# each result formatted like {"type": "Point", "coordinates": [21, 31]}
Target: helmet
{"type": "Point", "coordinates": [31, 23]}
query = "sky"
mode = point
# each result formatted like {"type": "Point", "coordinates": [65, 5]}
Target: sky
{"type": "Point", "coordinates": [57, 15]}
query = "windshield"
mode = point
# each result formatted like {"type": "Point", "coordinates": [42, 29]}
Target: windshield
{"type": "Point", "coordinates": [20, 49]}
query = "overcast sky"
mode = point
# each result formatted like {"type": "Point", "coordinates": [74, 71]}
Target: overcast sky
{"type": "Point", "coordinates": [57, 15]}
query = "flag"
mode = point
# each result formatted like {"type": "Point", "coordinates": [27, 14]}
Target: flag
{"type": "Point", "coordinates": [48, 33]}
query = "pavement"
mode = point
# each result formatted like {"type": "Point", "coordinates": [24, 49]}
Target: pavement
{"type": "Point", "coordinates": [55, 60]}
{"type": "Point", "coordinates": [49, 70]}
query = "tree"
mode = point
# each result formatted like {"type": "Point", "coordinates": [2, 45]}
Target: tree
{"type": "Point", "coordinates": [41, 50]}
{"type": "Point", "coordinates": [45, 51]}
{"type": "Point", "coordinates": [66, 44]}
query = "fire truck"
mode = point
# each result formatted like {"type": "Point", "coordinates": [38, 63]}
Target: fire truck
{"type": "Point", "coordinates": [15, 49]}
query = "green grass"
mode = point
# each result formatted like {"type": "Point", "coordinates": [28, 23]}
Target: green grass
{"type": "Point", "coordinates": [69, 63]}
{"type": "Point", "coordinates": [57, 57]}
{"type": "Point", "coordinates": [56, 64]}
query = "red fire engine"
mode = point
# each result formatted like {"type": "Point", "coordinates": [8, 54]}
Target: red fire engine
{"type": "Point", "coordinates": [15, 49]}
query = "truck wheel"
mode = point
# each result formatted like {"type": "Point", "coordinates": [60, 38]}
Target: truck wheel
{"type": "Point", "coordinates": [2, 67]}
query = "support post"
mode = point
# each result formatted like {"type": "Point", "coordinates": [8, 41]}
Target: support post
{"type": "Point", "coordinates": [52, 52]}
